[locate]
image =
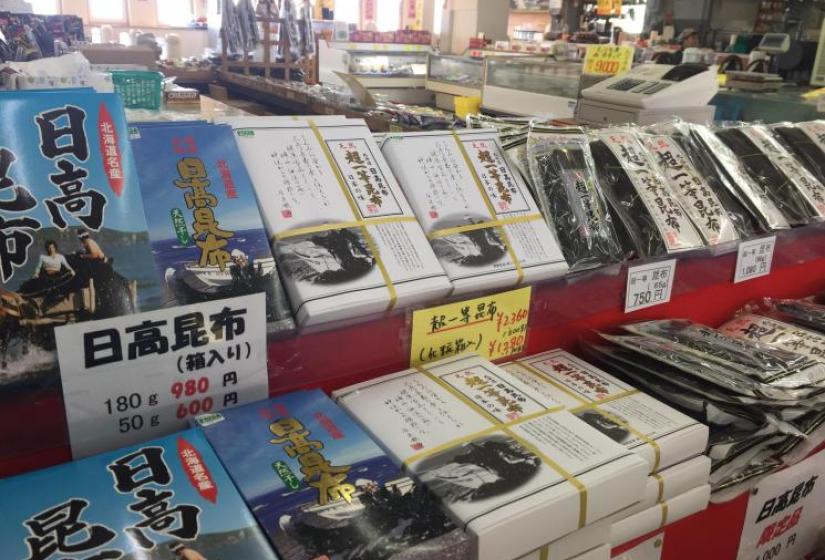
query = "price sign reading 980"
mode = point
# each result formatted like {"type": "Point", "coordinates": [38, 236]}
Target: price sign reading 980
{"type": "Point", "coordinates": [649, 285]}
{"type": "Point", "coordinates": [137, 377]}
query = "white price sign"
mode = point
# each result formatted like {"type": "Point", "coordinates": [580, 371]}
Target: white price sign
{"type": "Point", "coordinates": [754, 259]}
{"type": "Point", "coordinates": [649, 285]}
{"type": "Point", "coordinates": [786, 513]}
{"type": "Point", "coordinates": [133, 378]}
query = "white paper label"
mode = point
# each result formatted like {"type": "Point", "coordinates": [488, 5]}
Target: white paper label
{"type": "Point", "coordinates": [650, 549]}
{"type": "Point", "coordinates": [649, 285]}
{"type": "Point", "coordinates": [786, 513]}
{"type": "Point", "coordinates": [138, 377]}
{"type": "Point", "coordinates": [754, 259]}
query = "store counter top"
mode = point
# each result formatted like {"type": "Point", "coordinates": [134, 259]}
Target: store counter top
{"type": "Point", "coordinates": [787, 104]}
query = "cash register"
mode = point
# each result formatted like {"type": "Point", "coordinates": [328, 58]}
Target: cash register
{"type": "Point", "coordinates": [757, 77]}
{"type": "Point", "coordinates": [650, 93]}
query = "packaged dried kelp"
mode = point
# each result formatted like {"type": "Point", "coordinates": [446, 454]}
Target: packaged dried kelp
{"type": "Point", "coordinates": [653, 218]}
{"type": "Point", "coordinates": [516, 151]}
{"type": "Point", "coordinates": [744, 220]}
{"type": "Point", "coordinates": [778, 334]}
{"type": "Point", "coordinates": [564, 176]}
{"type": "Point", "coordinates": [691, 189]}
{"type": "Point", "coordinates": [750, 192]}
{"type": "Point", "coordinates": [697, 364]}
{"type": "Point", "coordinates": [750, 358]}
{"type": "Point", "coordinates": [807, 142]}
{"type": "Point", "coordinates": [772, 180]}
{"type": "Point", "coordinates": [808, 191]}
{"type": "Point", "coordinates": [801, 312]}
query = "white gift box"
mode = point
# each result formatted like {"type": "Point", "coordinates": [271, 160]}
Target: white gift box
{"type": "Point", "coordinates": [656, 517]}
{"type": "Point", "coordinates": [507, 462]}
{"type": "Point", "coordinates": [576, 543]}
{"type": "Point", "coordinates": [660, 434]}
{"type": "Point", "coordinates": [346, 239]}
{"type": "Point", "coordinates": [480, 217]}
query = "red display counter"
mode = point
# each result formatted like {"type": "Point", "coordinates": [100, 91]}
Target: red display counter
{"type": "Point", "coordinates": [33, 432]}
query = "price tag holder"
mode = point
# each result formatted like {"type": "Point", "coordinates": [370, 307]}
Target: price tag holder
{"type": "Point", "coordinates": [754, 259]}
{"type": "Point", "coordinates": [136, 377]}
{"type": "Point", "coordinates": [493, 327]}
{"type": "Point", "coordinates": [649, 285]}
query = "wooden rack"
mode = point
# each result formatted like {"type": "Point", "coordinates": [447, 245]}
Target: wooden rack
{"type": "Point", "coordinates": [246, 63]}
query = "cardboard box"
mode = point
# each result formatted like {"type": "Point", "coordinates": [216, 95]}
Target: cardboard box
{"type": "Point", "coordinates": [479, 215]}
{"type": "Point", "coordinates": [512, 468]}
{"type": "Point", "coordinates": [118, 54]}
{"type": "Point", "coordinates": [343, 232]}
{"type": "Point", "coordinates": [660, 434]}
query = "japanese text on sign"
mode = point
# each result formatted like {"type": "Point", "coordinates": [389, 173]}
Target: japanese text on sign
{"type": "Point", "coordinates": [649, 285]}
{"type": "Point", "coordinates": [784, 514]}
{"type": "Point", "coordinates": [494, 326]}
{"type": "Point", "coordinates": [754, 259]}
{"type": "Point", "coordinates": [608, 59]}
{"type": "Point", "coordinates": [144, 474]}
{"type": "Point", "coordinates": [143, 376]}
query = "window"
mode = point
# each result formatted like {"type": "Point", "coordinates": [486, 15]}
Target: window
{"type": "Point", "coordinates": [45, 7]}
{"type": "Point", "coordinates": [108, 11]}
{"type": "Point", "coordinates": [175, 13]}
{"type": "Point", "coordinates": [348, 11]}
{"type": "Point", "coordinates": [389, 14]}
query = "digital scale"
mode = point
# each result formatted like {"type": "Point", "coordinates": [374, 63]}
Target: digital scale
{"type": "Point", "coordinates": [650, 93]}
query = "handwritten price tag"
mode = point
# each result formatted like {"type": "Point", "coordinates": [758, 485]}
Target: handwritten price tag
{"type": "Point", "coordinates": [754, 259]}
{"type": "Point", "coordinates": [493, 326]}
{"type": "Point", "coordinates": [608, 59]}
{"type": "Point", "coordinates": [649, 285]}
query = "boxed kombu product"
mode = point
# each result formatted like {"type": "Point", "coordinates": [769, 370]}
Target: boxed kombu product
{"type": "Point", "coordinates": [510, 465]}
{"type": "Point", "coordinates": [322, 488]}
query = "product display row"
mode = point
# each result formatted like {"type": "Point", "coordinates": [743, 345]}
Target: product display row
{"type": "Point", "coordinates": [459, 458]}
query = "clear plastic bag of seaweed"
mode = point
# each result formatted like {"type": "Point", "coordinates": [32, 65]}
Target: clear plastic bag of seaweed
{"type": "Point", "coordinates": [710, 370]}
{"type": "Point", "coordinates": [764, 172]}
{"type": "Point", "coordinates": [516, 150]}
{"type": "Point", "coordinates": [806, 141]}
{"type": "Point", "coordinates": [653, 218]}
{"type": "Point", "coordinates": [758, 361]}
{"type": "Point", "coordinates": [563, 173]}
{"type": "Point", "coordinates": [799, 311]}
{"type": "Point", "coordinates": [776, 333]}
{"type": "Point", "coordinates": [807, 190]}
{"type": "Point", "coordinates": [693, 191]}
{"type": "Point", "coordinates": [746, 223]}
{"type": "Point", "coordinates": [750, 192]}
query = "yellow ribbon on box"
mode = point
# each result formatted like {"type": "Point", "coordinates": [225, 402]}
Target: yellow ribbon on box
{"type": "Point", "coordinates": [588, 405]}
{"type": "Point", "coordinates": [357, 222]}
{"type": "Point", "coordinates": [493, 220]}
{"type": "Point", "coordinates": [505, 427]}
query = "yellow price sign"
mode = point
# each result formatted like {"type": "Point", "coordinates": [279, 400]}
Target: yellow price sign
{"type": "Point", "coordinates": [609, 7]}
{"type": "Point", "coordinates": [493, 327]}
{"type": "Point", "coordinates": [608, 59]}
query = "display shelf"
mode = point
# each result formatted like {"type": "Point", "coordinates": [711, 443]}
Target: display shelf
{"type": "Point", "coordinates": [34, 432]}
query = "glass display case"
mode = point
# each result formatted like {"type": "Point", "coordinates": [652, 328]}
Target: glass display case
{"type": "Point", "coordinates": [397, 70]}
{"type": "Point", "coordinates": [451, 76]}
{"type": "Point", "coordinates": [531, 86]}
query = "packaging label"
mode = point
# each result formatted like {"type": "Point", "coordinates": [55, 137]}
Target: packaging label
{"type": "Point", "coordinates": [493, 327]}
{"type": "Point", "coordinates": [137, 377]}
{"type": "Point", "coordinates": [694, 193]}
{"type": "Point", "coordinates": [786, 336]}
{"type": "Point", "coordinates": [676, 229]}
